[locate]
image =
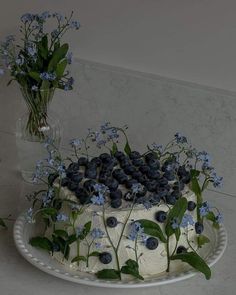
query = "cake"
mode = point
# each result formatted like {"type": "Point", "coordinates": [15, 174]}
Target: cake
{"type": "Point", "coordinates": [125, 213]}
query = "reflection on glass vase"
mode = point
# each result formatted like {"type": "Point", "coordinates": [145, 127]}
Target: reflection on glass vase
{"type": "Point", "coordinates": [34, 128]}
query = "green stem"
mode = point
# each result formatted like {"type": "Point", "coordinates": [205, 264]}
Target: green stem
{"type": "Point", "coordinates": [168, 255]}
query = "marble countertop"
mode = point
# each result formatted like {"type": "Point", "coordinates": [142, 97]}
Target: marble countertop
{"type": "Point", "coordinates": [159, 107]}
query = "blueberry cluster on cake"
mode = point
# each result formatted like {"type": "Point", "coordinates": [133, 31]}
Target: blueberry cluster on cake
{"type": "Point", "coordinates": [129, 214]}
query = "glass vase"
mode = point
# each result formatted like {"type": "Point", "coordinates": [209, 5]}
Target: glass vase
{"type": "Point", "coordinates": [34, 128]}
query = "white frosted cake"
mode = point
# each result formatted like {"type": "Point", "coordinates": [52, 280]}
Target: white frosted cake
{"type": "Point", "coordinates": [126, 213]}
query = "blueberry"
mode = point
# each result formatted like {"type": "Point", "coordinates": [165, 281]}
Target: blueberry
{"type": "Point", "coordinates": [97, 161]}
{"type": "Point", "coordinates": [142, 179]}
{"type": "Point", "coordinates": [186, 179]}
{"type": "Point", "coordinates": [182, 171]}
{"type": "Point", "coordinates": [150, 156]}
{"type": "Point", "coordinates": [191, 205]}
{"type": "Point", "coordinates": [162, 192]}
{"type": "Point", "coordinates": [77, 177]}
{"type": "Point", "coordinates": [112, 184]}
{"type": "Point", "coordinates": [89, 185]}
{"type": "Point", "coordinates": [144, 169]}
{"type": "Point", "coordinates": [83, 196]}
{"type": "Point", "coordinates": [130, 182]}
{"type": "Point", "coordinates": [105, 157]}
{"type": "Point", "coordinates": [122, 179]}
{"type": "Point", "coordinates": [141, 193]}
{"type": "Point", "coordinates": [178, 186]}
{"type": "Point", "coordinates": [117, 172]}
{"type": "Point", "coordinates": [82, 161]}
{"type": "Point", "coordinates": [176, 194]}
{"type": "Point", "coordinates": [170, 199]}
{"type": "Point", "coordinates": [105, 257]}
{"type": "Point", "coordinates": [152, 243]}
{"type": "Point", "coordinates": [73, 167]}
{"type": "Point", "coordinates": [169, 175]}
{"type": "Point", "coordinates": [155, 198]}
{"type": "Point", "coordinates": [64, 181]}
{"type": "Point", "coordinates": [128, 196]}
{"type": "Point", "coordinates": [138, 162]}
{"type": "Point", "coordinates": [56, 247]}
{"type": "Point", "coordinates": [72, 186]}
{"type": "Point", "coordinates": [124, 164]}
{"type": "Point", "coordinates": [199, 227]}
{"type": "Point", "coordinates": [161, 216]}
{"type": "Point", "coordinates": [153, 163]}
{"type": "Point", "coordinates": [129, 169]}
{"type": "Point", "coordinates": [111, 221]}
{"type": "Point", "coordinates": [116, 194]}
{"type": "Point", "coordinates": [153, 174]}
{"type": "Point", "coordinates": [116, 203]}
{"type": "Point", "coordinates": [136, 174]}
{"type": "Point", "coordinates": [91, 173]}
{"type": "Point", "coordinates": [119, 155]}
{"type": "Point", "coordinates": [162, 182]}
{"type": "Point", "coordinates": [134, 155]}
{"type": "Point", "coordinates": [181, 250]}
{"type": "Point", "coordinates": [151, 185]}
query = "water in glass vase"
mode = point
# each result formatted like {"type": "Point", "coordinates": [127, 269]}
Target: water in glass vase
{"type": "Point", "coordinates": [31, 148]}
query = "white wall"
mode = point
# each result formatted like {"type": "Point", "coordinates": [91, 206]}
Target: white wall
{"type": "Point", "coordinates": [192, 40]}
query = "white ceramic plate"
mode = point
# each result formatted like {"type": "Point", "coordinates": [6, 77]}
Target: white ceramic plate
{"type": "Point", "coordinates": [23, 231]}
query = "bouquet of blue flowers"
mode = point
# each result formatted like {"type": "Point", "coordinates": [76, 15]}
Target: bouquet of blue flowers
{"type": "Point", "coordinates": [39, 63]}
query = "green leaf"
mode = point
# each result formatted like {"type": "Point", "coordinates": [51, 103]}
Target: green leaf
{"type": "Point", "coordinates": [95, 253]}
{"type": "Point", "coordinates": [195, 261]}
{"type": "Point", "coordinates": [177, 212]}
{"type": "Point", "coordinates": [194, 173]}
{"type": "Point", "coordinates": [86, 230]}
{"type": "Point", "coordinates": [35, 76]}
{"type": "Point", "coordinates": [151, 228]}
{"type": "Point", "coordinates": [48, 212]}
{"type": "Point", "coordinates": [43, 47]}
{"type": "Point", "coordinates": [202, 240]}
{"type": "Point", "coordinates": [61, 68]}
{"type": "Point", "coordinates": [41, 242]}
{"type": "Point", "coordinates": [127, 148]}
{"type": "Point", "coordinates": [61, 233]}
{"type": "Point", "coordinates": [57, 56]}
{"type": "Point", "coordinates": [195, 187]}
{"type": "Point", "coordinates": [2, 223]}
{"type": "Point", "coordinates": [211, 216]}
{"type": "Point", "coordinates": [71, 239]}
{"type": "Point", "coordinates": [110, 274]}
{"type": "Point", "coordinates": [132, 268]}
{"type": "Point", "coordinates": [79, 258]}
{"type": "Point", "coordinates": [114, 148]}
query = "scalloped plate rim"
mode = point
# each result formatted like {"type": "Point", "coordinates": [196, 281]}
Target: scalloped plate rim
{"type": "Point", "coordinates": [61, 273]}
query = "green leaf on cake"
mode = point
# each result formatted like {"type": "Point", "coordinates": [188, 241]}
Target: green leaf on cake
{"type": "Point", "coordinates": [151, 228]}
{"type": "Point", "coordinates": [193, 259]}
{"type": "Point", "coordinates": [95, 254]}
{"type": "Point", "coordinates": [71, 239]}
{"type": "Point", "coordinates": [79, 258]}
{"type": "Point", "coordinates": [61, 233]}
{"type": "Point", "coordinates": [48, 212]}
{"type": "Point", "coordinates": [35, 76]}
{"type": "Point", "coordinates": [61, 68]}
{"type": "Point", "coordinates": [131, 268]}
{"type": "Point", "coordinates": [114, 148]}
{"type": "Point", "coordinates": [202, 240]}
{"type": "Point", "coordinates": [110, 274]}
{"type": "Point", "coordinates": [127, 148]}
{"type": "Point", "coordinates": [42, 243]}
{"type": "Point", "coordinates": [2, 223]}
{"type": "Point", "coordinates": [176, 212]}
{"type": "Point", "coordinates": [211, 216]}
{"type": "Point", "coordinates": [86, 230]}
